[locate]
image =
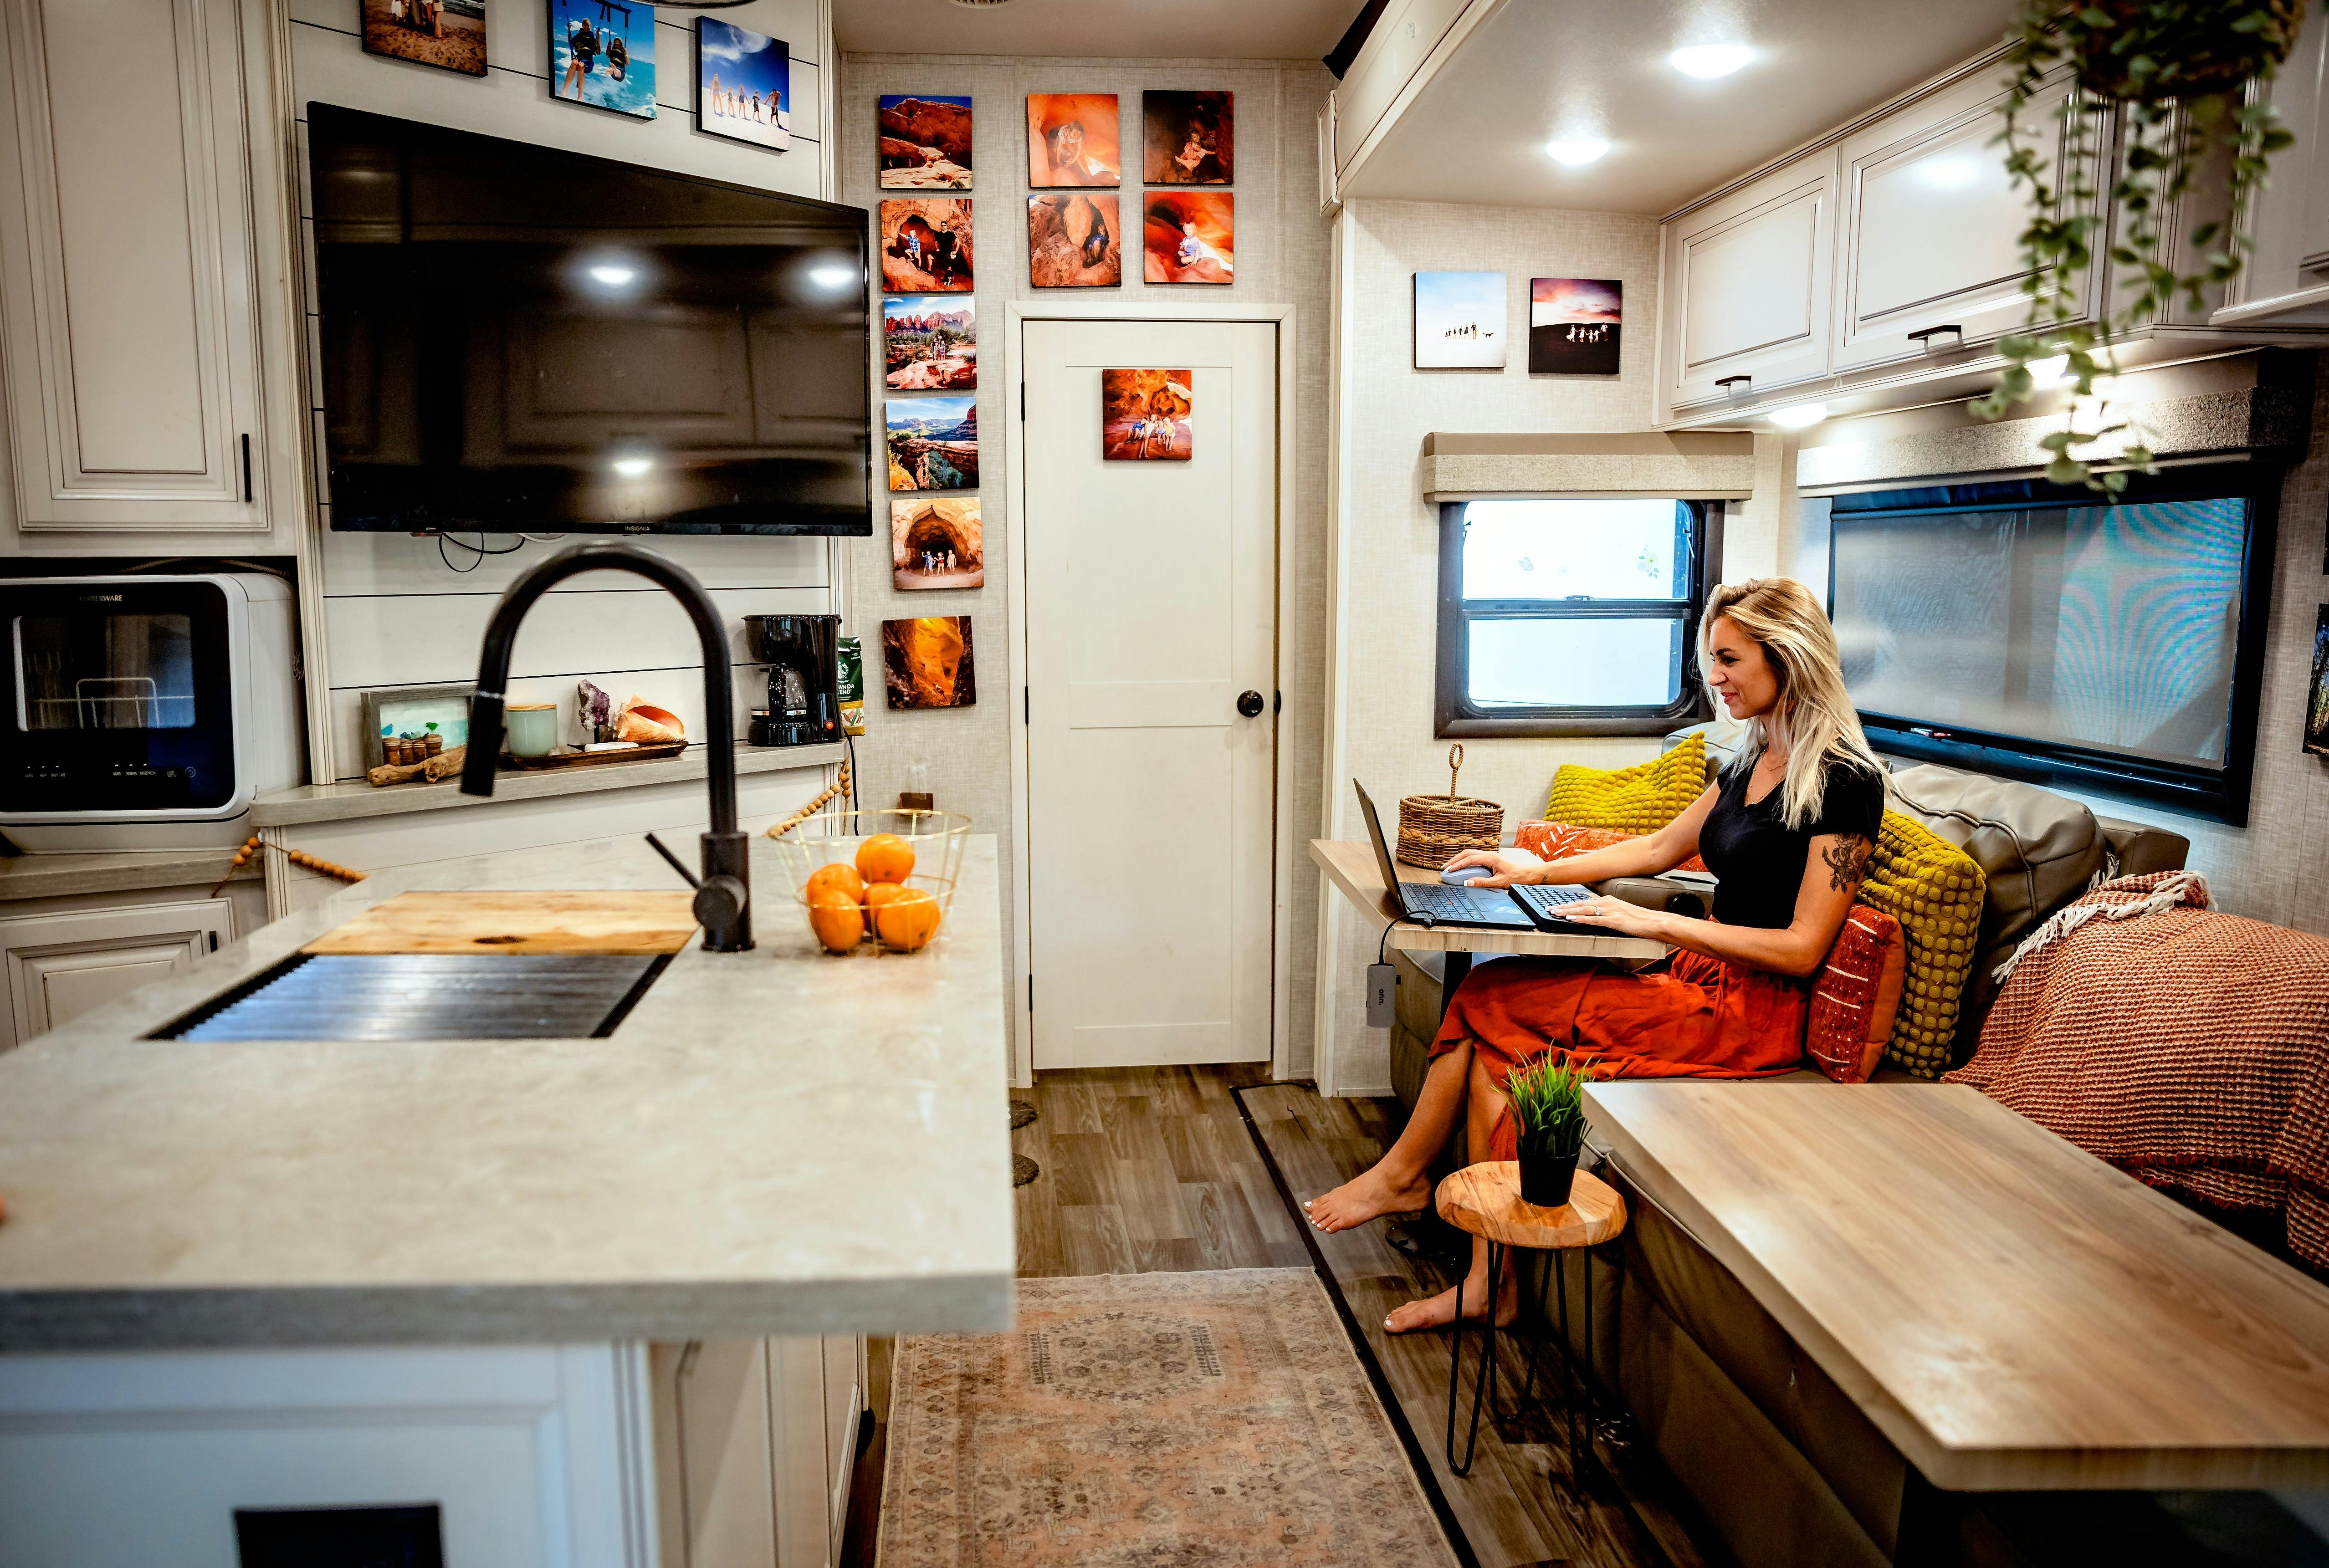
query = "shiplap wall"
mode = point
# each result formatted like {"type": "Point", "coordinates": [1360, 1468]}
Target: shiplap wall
{"type": "Point", "coordinates": [394, 614]}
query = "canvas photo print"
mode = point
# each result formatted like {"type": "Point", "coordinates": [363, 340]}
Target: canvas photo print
{"type": "Point", "coordinates": [926, 663]}
{"type": "Point", "coordinates": [926, 245]}
{"type": "Point", "coordinates": [936, 542]}
{"type": "Point", "coordinates": [2316, 701]}
{"type": "Point", "coordinates": [1186, 138]}
{"type": "Point", "coordinates": [925, 142]}
{"type": "Point", "coordinates": [933, 443]}
{"type": "Point", "coordinates": [929, 342]}
{"type": "Point", "coordinates": [1144, 414]}
{"type": "Point", "coordinates": [1189, 237]}
{"type": "Point", "coordinates": [744, 84]}
{"type": "Point", "coordinates": [1072, 140]}
{"type": "Point", "coordinates": [449, 34]}
{"type": "Point", "coordinates": [602, 53]}
{"type": "Point", "coordinates": [1074, 241]}
{"type": "Point", "coordinates": [1573, 325]}
{"type": "Point", "coordinates": [1459, 321]}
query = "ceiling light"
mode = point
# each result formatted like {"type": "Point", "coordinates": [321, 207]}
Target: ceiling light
{"type": "Point", "coordinates": [1710, 60]}
{"type": "Point", "coordinates": [612, 275]}
{"type": "Point", "coordinates": [632, 468]}
{"type": "Point", "coordinates": [1798, 416]}
{"type": "Point", "coordinates": [1576, 151]}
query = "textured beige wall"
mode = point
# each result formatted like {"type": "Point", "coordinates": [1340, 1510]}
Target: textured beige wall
{"type": "Point", "coordinates": [1281, 258]}
{"type": "Point", "coordinates": [1392, 551]}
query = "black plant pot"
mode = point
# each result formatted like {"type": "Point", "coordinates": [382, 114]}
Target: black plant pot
{"type": "Point", "coordinates": [1545, 1179]}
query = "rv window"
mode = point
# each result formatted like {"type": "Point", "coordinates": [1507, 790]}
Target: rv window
{"type": "Point", "coordinates": [1570, 617]}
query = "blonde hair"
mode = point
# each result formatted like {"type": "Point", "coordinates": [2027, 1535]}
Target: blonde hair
{"type": "Point", "coordinates": [1814, 715]}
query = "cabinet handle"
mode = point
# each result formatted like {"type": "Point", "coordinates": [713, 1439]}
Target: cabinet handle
{"type": "Point", "coordinates": [246, 466]}
{"type": "Point", "coordinates": [1924, 336]}
{"type": "Point", "coordinates": [1745, 382]}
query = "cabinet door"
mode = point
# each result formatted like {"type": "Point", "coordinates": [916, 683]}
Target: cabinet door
{"type": "Point", "coordinates": [722, 1405]}
{"type": "Point", "coordinates": [844, 1402]}
{"type": "Point", "coordinates": [1932, 226]}
{"type": "Point", "coordinates": [1747, 287]}
{"type": "Point", "coordinates": [126, 267]}
{"type": "Point", "coordinates": [60, 966]}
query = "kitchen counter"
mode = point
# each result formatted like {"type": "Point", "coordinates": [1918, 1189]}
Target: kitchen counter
{"type": "Point", "coordinates": [334, 802]}
{"type": "Point", "coordinates": [61, 876]}
{"type": "Point", "coordinates": [771, 1143]}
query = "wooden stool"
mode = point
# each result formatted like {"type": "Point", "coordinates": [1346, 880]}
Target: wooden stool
{"type": "Point", "coordinates": [1485, 1201]}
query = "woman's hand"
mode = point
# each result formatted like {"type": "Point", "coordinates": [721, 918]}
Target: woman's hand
{"type": "Point", "coordinates": [1507, 868]}
{"type": "Point", "coordinates": [1618, 917]}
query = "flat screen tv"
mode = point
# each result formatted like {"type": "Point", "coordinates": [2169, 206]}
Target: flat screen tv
{"type": "Point", "coordinates": [2061, 636]}
{"type": "Point", "coordinates": [520, 338]}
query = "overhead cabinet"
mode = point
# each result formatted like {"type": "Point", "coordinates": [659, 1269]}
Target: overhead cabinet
{"type": "Point", "coordinates": [1746, 288]}
{"type": "Point", "coordinates": [1929, 247]}
{"type": "Point", "coordinates": [128, 275]}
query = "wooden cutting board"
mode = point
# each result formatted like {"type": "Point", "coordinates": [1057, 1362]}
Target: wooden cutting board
{"type": "Point", "coordinates": [487, 923]}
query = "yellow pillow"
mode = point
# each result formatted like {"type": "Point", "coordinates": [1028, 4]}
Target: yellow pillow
{"type": "Point", "coordinates": [1640, 799]}
{"type": "Point", "coordinates": [1934, 890]}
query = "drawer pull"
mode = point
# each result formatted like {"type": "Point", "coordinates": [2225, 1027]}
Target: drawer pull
{"type": "Point", "coordinates": [1924, 336]}
{"type": "Point", "coordinates": [1741, 384]}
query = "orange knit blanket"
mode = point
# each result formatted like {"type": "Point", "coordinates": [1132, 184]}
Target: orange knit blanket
{"type": "Point", "coordinates": [2186, 1046]}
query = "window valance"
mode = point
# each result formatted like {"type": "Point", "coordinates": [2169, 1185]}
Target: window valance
{"type": "Point", "coordinates": [1685, 464]}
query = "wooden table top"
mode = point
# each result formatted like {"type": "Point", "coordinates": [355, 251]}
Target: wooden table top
{"type": "Point", "coordinates": [1485, 1199]}
{"type": "Point", "coordinates": [2011, 1312]}
{"type": "Point", "coordinates": [1351, 868]}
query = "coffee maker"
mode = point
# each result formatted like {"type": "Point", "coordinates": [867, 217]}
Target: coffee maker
{"type": "Point", "coordinates": [803, 653]}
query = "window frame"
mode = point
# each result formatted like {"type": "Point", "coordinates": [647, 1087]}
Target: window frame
{"type": "Point", "coordinates": [1454, 715]}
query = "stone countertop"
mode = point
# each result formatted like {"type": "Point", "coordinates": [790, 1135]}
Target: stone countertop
{"type": "Point", "coordinates": [775, 1142]}
{"type": "Point", "coordinates": [61, 876]}
{"type": "Point", "coordinates": [335, 803]}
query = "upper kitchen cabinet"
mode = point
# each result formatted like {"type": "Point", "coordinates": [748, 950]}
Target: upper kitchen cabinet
{"type": "Point", "coordinates": [129, 268]}
{"type": "Point", "coordinates": [1931, 226]}
{"type": "Point", "coordinates": [1745, 289]}
{"type": "Point", "coordinates": [2287, 279]}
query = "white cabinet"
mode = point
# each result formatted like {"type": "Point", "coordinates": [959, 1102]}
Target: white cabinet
{"type": "Point", "coordinates": [1930, 234]}
{"type": "Point", "coordinates": [2287, 279]}
{"type": "Point", "coordinates": [757, 1442]}
{"type": "Point", "coordinates": [1746, 287]}
{"type": "Point", "coordinates": [129, 270]}
{"type": "Point", "coordinates": [59, 966]}
{"type": "Point", "coordinates": [1402, 39]}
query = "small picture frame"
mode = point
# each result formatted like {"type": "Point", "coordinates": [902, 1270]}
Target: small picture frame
{"type": "Point", "coordinates": [392, 710]}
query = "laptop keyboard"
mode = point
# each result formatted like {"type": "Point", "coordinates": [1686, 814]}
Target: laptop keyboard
{"type": "Point", "coordinates": [1543, 898]}
{"type": "Point", "coordinates": [1448, 903]}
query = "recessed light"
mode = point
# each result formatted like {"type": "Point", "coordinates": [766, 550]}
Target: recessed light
{"type": "Point", "coordinates": [613, 277]}
{"type": "Point", "coordinates": [632, 468]}
{"type": "Point", "coordinates": [2049, 373]}
{"type": "Point", "coordinates": [1710, 60]}
{"type": "Point", "coordinates": [1798, 416]}
{"type": "Point", "coordinates": [1576, 151]}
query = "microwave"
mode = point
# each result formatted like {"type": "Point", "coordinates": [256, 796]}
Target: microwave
{"type": "Point", "coordinates": [145, 713]}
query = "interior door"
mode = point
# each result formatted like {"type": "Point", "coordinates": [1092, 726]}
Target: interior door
{"type": "Point", "coordinates": [1151, 701]}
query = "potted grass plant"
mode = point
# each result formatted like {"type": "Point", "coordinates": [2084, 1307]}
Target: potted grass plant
{"type": "Point", "coordinates": [1547, 1095]}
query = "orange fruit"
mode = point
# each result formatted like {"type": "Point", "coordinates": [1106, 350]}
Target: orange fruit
{"type": "Point", "coordinates": [880, 893]}
{"type": "Point", "coordinates": [836, 878]}
{"type": "Point", "coordinates": [885, 858]}
{"type": "Point", "coordinates": [838, 922]}
{"type": "Point", "coordinates": [908, 920]}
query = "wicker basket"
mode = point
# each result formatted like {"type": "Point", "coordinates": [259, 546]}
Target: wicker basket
{"type": "Point", "coordinates": [1434, 828]}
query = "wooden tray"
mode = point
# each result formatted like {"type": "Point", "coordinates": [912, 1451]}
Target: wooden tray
{"type": "Point", "coordinates": [566, 757]}
{"type": "Point", "coordinates": [632, 923]}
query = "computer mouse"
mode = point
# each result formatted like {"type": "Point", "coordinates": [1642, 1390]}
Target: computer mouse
{"type": "Point", "coordinates": [1467, 874]}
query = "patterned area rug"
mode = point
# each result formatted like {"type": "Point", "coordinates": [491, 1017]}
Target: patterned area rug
{"type": "Point", "coordinates": [1136, 1421]}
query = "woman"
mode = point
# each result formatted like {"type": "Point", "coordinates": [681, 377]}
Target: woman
{"type": "Point", "coordinates": [1788, 829]}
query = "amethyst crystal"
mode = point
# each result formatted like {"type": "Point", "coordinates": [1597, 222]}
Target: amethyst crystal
{"type": "Point", "coordinates": [596, 710]}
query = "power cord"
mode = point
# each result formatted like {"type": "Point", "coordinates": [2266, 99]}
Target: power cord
{"type": "Point", "coordinates": [478, 552]}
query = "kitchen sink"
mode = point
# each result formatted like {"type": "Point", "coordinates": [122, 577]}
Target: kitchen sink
{"type": "Point", "coordinates": [427, 995]}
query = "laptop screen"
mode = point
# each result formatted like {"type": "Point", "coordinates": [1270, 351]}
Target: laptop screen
{"type": "Point", "coordinates": [1374, 831]}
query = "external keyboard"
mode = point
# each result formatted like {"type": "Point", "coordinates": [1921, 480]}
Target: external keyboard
{"type": "Point", "coordinates": [1544, 900]}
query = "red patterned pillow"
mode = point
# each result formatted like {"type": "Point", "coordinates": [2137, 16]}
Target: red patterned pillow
{"type": "Point", "coordinates": [1857, 996]}
{"type": "Point", "coordinates": [1558, 840]}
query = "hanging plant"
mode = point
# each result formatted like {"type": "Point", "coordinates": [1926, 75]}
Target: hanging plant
{"type": "Point", "coordinates": [2182, 68]}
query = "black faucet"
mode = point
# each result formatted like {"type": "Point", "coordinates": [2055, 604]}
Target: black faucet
{"type": "Point", "coordinates": [723, 893]}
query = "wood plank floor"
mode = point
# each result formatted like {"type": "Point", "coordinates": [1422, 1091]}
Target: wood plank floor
{"type": "Point", "coordinates": [1154, 1169]}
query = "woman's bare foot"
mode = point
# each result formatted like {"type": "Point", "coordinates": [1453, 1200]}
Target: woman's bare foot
{"type": "Point", "coordinates": [1439, 1311]}
{"type": "Point", "coordinates": [1368, 1195]}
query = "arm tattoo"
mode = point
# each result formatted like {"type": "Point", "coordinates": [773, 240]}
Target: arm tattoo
{"type": "Point", "coordinates": [1847, 860]}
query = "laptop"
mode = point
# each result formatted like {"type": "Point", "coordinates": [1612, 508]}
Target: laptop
{"type": "Point", "coordinates": [1437, 903]}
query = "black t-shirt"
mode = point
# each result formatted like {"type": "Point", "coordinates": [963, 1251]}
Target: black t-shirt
{"type": "Point", "coordinates": [1758, 861]}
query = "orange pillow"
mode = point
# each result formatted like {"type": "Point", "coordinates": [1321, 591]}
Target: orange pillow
{"type": "Point", "coordinates": [1857, 996]}
{"type": "Point", "coordinates": [1558, 840]}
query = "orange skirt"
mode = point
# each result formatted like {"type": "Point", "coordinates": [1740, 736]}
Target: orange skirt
{"type": "Point", "coordinates": [1695, 1018]}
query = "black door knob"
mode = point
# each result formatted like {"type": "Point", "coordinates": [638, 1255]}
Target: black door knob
{"type": "Point", "coordinates": [1248, 703]}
